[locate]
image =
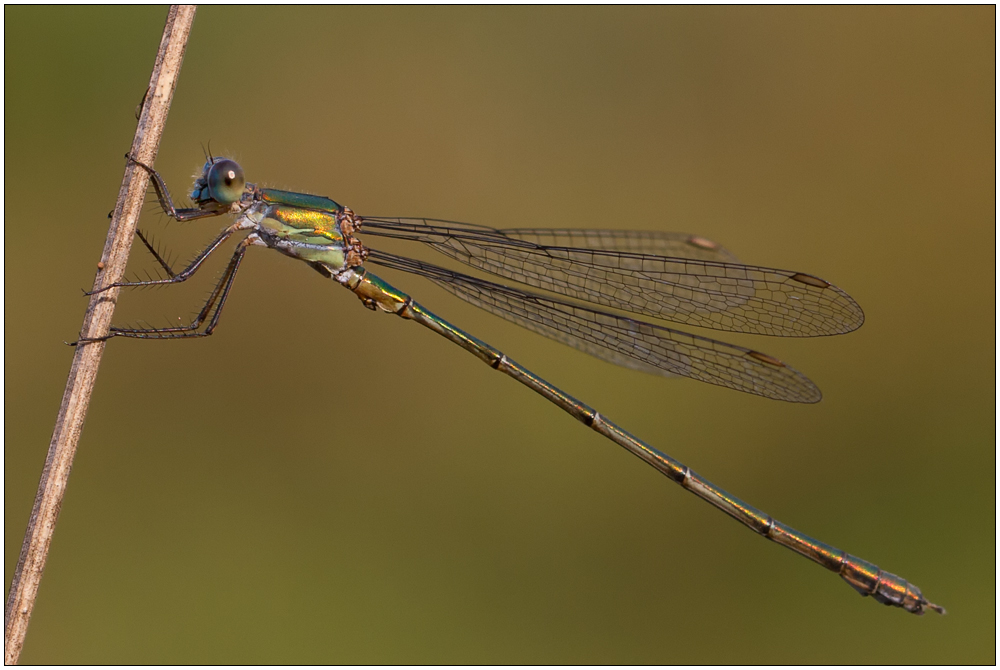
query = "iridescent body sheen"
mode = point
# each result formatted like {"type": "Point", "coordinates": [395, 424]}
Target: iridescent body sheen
{"type": "Point", "coordinates": [683, 278]}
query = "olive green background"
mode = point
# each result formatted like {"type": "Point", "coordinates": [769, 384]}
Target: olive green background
{"type": "Point", "coordinates": [318, 483]}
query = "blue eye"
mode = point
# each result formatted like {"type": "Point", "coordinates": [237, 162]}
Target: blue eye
{"type": "Point", "coordinates": [226, 181]}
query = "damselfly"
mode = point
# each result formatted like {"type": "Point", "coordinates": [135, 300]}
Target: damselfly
{"type": "Point", "coordinates": [674, 277]}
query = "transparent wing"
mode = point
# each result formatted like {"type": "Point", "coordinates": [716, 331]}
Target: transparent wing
{"type": "Point", "coordinates": [696, 286]}
{"type": "Point", "coordinates": [676, 245]}
{"type": "Point", "coordinates": [634, 344]}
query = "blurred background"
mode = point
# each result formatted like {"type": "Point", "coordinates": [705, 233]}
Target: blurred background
{"type": "Point", "coordinates": [318, 483]}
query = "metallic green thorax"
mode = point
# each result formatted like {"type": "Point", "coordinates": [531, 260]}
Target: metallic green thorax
{"type": "Point", "coordinates": [306, 234]}
{"type": "Point", "coordinates": [316, 202]}
{"type": "Point", "coordinates": [302, 225]}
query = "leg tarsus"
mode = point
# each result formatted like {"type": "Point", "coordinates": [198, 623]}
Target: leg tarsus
{"type": "Point", "coordinates": [88, 340]}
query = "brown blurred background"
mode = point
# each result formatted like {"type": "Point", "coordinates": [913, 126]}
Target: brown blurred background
{"type": "Point", "coordinates": [247, 498]}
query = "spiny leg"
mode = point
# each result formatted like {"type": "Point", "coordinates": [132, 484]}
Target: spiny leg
{"type": "Point", "coordinates": [156, 254]}
{"type": "Point", "coordinates": [234, 266]}
{"type": "Point", "coordinates": [216, 301]}
{"type": "Point", "coordinates": [186, 272]}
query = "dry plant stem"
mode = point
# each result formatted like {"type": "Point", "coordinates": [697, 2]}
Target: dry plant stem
{"type": "Point", "coordinates": [96, 322]}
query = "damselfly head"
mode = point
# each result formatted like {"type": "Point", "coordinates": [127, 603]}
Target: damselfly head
{"type": "Point", "coordinates": [221, 182]}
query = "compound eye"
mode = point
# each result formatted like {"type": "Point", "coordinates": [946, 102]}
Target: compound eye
{"type": "Point", "coordinates": [226, 181]}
